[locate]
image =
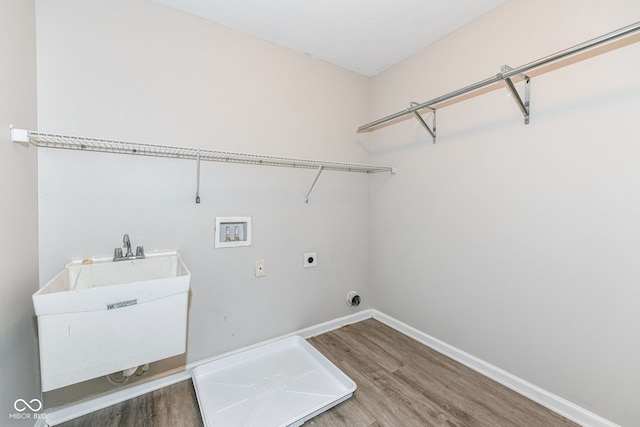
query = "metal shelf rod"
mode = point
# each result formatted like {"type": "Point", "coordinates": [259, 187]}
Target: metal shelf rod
{"type": "Point", "coordinates": [606, 38]}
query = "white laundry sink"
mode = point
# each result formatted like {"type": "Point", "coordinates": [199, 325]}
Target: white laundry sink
{"type": "Point", "coordinates": [98, 317]}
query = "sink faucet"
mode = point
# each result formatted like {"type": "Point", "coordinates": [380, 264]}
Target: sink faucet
{"type": "Point", "coordinates": [126, 244]}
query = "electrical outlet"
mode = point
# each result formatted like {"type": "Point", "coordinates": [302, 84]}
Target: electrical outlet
{"type": "Point", "coordinates": [261, 268]}
{"type": "Point", "coordinates": [310, 260]}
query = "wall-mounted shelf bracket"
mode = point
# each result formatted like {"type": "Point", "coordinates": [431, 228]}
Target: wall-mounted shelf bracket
{"type": "Point", "coordinates": [523, 104]}
{"type": "Point", "coordinates": [432, 129]}
{"type": "Point", "coordinates": [320, 169]}
{"type": "Point", "coordinates": [19, 135]}
{"type": "Point", "coordinates": [198, 177]}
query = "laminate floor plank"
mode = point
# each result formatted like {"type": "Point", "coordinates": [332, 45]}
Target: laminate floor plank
{"type": "Point", "coordinates": [428, 389]}
{"type": "Point", "coordinates": [400, 383]}
{"type": "Point", "coordinates": [172, 406]}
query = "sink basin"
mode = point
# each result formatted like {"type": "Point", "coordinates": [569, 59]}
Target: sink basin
{"type": "Point", "coordinates": [98, 317]}
{"type": "Point", "coordinates": [83, 286]}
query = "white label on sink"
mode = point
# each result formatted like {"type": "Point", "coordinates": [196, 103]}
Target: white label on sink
{"type": "Point", "coordinates": [122, 304]}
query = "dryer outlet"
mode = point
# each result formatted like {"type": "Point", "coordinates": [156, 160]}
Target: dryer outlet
{"type": "Point", "coordinates": [310, 260]}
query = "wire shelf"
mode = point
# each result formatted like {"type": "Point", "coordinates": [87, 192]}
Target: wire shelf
{"type": "Point", "coordinates": [49, 140]}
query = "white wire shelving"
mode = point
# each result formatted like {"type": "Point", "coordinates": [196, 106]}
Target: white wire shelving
{"type": "Point", "coordinates": [51, 140]}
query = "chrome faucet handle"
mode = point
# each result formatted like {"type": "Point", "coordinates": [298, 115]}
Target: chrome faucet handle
{"type": "Point", "coordinates": [117, 253]}
{"type": "Point", "coordinates": [140, 251]}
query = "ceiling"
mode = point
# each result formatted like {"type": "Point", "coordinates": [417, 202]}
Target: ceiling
{"type": "Point", "coordinates": [365, 36]}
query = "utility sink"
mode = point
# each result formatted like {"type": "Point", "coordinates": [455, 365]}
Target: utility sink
{"type": "Point", "coordinates": [99, 316]}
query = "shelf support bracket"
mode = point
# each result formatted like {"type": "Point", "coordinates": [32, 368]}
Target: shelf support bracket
{"type": "Point", "coordinates": [522, 104]}
{"type": "Point", "coordinates": [431, 131]}
{"type": "Point", "coordinates": [19, 135]}
{"type": "Point", "coordinates": [198, 177]}
{"type": "Point", "coordinates": [320, 169]}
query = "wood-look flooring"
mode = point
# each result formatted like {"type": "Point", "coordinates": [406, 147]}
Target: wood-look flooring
{"type": "Point", "coordinates": [400, 383]}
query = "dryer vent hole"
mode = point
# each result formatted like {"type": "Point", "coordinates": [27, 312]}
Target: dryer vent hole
{"type": "Point", "coordinates": [353, 298]}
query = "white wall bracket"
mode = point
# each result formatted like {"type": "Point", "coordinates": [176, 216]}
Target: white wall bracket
{"type": "Point", "coordinates": [431, 130]}
{"type": "Point", "coordinates": [523, 104]}
{"type": "Point", "coordinates": [19, 135]}
{"type": "Point", "coordinates": [320, 169]}
{"type": "Point", "coordinates": [198, 177]}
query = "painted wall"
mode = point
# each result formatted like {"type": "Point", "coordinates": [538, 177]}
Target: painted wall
{"type": "Point", "coordinates": [19, 375]}
{"type": "Point", "coordinates": [514, 243]}
{"type": "Point", "coordinates": [139, 71]}
{"type": "Point", "coordinates": [519, 244]}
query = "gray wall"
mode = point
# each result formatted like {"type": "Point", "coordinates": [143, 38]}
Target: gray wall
{"type": "Point", "coordinates": [19, 375]}
{"type": "Point", "coordinates": [519, 244]}
{"type": "Point", "coordinates": [139, 71]}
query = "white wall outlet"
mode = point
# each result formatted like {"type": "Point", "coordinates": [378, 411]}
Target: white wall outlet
{"type": "Point", "coordinates": [261, 268]}
{"type": "Point", "coordinates": [310, 260]}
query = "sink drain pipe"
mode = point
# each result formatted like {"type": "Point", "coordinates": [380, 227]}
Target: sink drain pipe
{"type": "Point", "coordinates": [127, 373]}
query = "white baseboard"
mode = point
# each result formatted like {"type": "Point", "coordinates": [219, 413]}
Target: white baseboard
{"type": "Point", "coordinates": [60, 415]}
{"type": "Point", "coordinates": [549, 400]}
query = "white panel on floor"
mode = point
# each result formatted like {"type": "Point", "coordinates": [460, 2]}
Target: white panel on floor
{"type": "Point", "coordinates": [283, 383]}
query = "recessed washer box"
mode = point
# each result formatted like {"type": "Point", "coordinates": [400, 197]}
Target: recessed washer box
{"type": "Point", "coordinates": [233, 231]}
